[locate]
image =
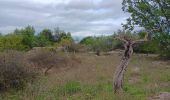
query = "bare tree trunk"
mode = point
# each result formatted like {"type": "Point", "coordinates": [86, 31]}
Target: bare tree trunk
{"type": "Point", "coordinates": [119, 74]}
{"type": "Point", "coordinates": [118, 77]}
{"type": "Point", "coordinates": [46, 71]}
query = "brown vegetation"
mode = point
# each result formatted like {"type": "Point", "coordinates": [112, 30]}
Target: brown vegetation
{"type": "Point", "coordinates": [15, 71]}
{"type": "Point", "coordinates": [46, 59]}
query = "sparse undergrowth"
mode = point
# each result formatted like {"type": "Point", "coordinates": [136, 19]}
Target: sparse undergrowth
{"type": "Point", "coordinates": [46, 59]}
{"type": "Point", "coordinates": [92, 80]}
{"type": "Point", "coordinates": [15, 71]}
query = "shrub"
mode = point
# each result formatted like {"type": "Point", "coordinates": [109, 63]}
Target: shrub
{"type": "Point", "coordinates": [15, 71]}
{"type": "Point", "coordinates": [12, 41]}
{"type": "Point", "coordinates": [47, 58]}
{"type": "Point", "coordinates": [76, 48]}
{"type": "Point", "coordinates": [163, 42]}
{"type": "Point", "coordinates": [146, 47]}
{"type": "Point", "coordinates": [101, 43]}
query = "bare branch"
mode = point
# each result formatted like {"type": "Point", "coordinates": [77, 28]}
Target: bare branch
{"type": "Point", "coordinates": [121, 38]}
{"type": "Point", "coordinates": [142, 40]}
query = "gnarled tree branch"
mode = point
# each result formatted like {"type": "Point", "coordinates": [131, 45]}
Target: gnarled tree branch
{"type": "Point", "coordinates": [119, 73]}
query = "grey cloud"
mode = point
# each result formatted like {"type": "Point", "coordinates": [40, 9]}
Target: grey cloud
{"type": "Point", "coordinates": [80, 4]}
{"type": "Point", "coordinates": [76, 16]}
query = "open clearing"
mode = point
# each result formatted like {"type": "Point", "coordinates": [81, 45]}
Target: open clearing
{"type": "Point", "coordinates": [91, 79]}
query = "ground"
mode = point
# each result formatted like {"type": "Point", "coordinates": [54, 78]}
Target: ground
{"type": "Point", "coordinates": [92, 79]}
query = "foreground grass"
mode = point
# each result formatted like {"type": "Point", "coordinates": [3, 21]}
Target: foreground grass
{"type": "Point", "coordinates": [92, 80]}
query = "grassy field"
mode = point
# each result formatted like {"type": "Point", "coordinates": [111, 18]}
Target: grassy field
{"type": "Point", "coordinates": [92, 79]}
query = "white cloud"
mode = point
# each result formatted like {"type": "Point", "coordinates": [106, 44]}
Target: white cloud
{"type": "Point", "coordinates": [81, 17]}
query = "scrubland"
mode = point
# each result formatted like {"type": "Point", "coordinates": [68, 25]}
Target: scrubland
{"type": "Point", "coordinates": [85, 76]}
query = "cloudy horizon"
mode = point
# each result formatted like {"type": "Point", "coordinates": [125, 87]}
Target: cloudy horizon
{"type": "Point", "coordinates": [80, 17]}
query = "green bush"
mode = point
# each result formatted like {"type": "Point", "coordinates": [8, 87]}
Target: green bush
{"type": "Point", "coordinates": [102, 43]}
{"type": "Point", "coordinates": [163, 40]}
{"type": "Point", "coordinates": [146, 47]}
{"type": "Point", "coordinates": [11, 41]}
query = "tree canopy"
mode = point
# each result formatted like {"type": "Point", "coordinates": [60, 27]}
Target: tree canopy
{"type": "Point", "coordinates": [150, 14]}
{"type": "Point", "coordinates": [26, 38]}
{"type": "Point", "coordinates": [154, 16]}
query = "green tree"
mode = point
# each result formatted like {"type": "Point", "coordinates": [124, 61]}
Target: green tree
{"type": "Point", "coordinates": [12, 41]}
{"type": "Point", "coordinates": [27, 34]}
{"type": "Point", "coordinates": [59, 35]}
{"type": "Point", "coordinates": [47, 33]}
{"type": "Point", "coordinates": [41, 41]}
{"type": "Point", "coordinates": [150, 14]}
{"type": "Point", "coordinates": [101, 43]}
{"type": "Point", "coordinates": [154, 16]}
{"type": "Point", "coordinates": [87, 40]}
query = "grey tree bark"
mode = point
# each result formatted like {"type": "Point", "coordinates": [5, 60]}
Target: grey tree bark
{"type": "Point", "coordinates": [119, 73]}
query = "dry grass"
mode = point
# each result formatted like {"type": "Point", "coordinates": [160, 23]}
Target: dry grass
{"type": "Point", "coordinates": [15, 71]}
{"type": "Point", "coordinates": [46, 59]}
{"type": "Point", "coordinates": [92, 80]}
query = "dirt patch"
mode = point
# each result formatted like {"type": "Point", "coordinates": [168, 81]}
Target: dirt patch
{"type": "Point", "coordinates": [161, 96]}
{"type": "Point", "coordinates": [134, 80]}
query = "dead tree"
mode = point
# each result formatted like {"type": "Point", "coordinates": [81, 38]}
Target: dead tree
{"type": "Point", "coordinates": [119, 73]}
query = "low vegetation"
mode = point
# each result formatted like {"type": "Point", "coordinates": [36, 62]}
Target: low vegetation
{"type": "Point", "coordinates": [15, 71]}
{"type": "Point", "coordinates": [74, 72]}
{"type": "Point", "coordinates": [47, 58]}
{"type": "Point", "coordinates": [60, 69]}
{"type": "Point", "coordinates": [92, 79]}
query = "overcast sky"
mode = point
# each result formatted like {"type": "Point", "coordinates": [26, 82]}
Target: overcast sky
{"type": "Point", "coordinates": [80, 17]}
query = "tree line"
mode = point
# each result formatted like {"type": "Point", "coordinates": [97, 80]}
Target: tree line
{"type": "Point", "coordinates": [26, 39]}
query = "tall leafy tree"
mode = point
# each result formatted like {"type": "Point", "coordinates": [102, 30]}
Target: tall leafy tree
{"type": "Point", "coordinates": [41, 41]}
{"type": "Point", "coordinates": [28, 35]}
{"type": "Point", "coordinates": [150, 14]}
{"type": "Point", "coordinates": [47, 33]}
{"type": "Point", "coordinates": [154, 16]}
{"type": "Point", "coordinates": [59, 35]}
